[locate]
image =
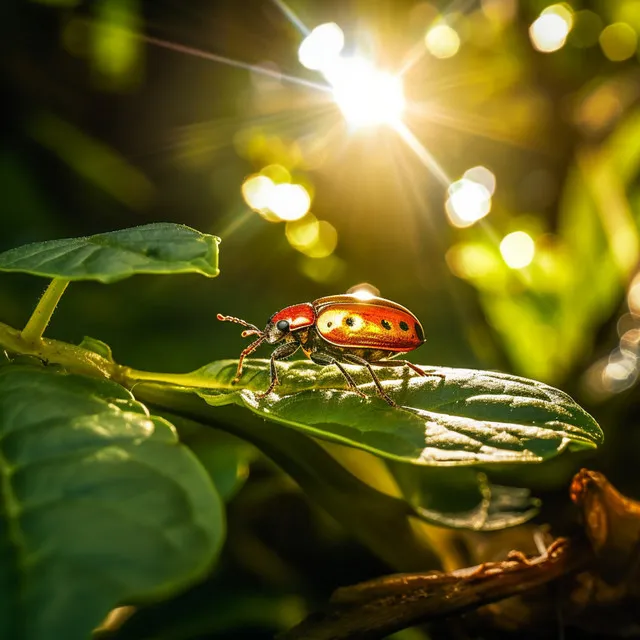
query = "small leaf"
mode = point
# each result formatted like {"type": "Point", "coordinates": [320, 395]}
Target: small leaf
{"type": "Point", "coordinates": [108, 257]}
{"type": "Point", "coordinates": [99, 505]}
{"type": "Point", "coordinates": [97, 346]}
{"type": "Point", "coordinates": [450, 417]}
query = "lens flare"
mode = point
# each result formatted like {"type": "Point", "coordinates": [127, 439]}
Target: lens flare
{"type": "Point", "coordinates": [549, 32]}
{"type": "Point", "coordinates": [468, 202]}
{"type": "Point", "coordinates": [325, 242]}
{"type": "Point", "coordinates": [442, 41]}
{"type": "Point", "coordinates": [482, 176]}
{"type": "Point", "coordinates": [256, 190]}
{"type": "Point", "coordinates": [518, 249]}
{"type": "Point", "coordinates": [366, 96]}
{"type": "Point", "coordinates": [289, 201]}
{"type": "Point", "coordinates": [323, 270]}
{"type": "Point", "coordinates": [303, 233]}
{"type": "Point", "coordinates": [276, 202]}
{"type": "Point", "coordinates": [618, 41]}
{"type": "Point", "coordinates": [322, 47]}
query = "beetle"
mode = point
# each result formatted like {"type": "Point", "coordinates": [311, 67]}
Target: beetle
{"type": "Point", "coordinates": [338, 329]}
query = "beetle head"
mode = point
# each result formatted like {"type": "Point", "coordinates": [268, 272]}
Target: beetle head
{"type": "Point", "coordinates": [276, 331]}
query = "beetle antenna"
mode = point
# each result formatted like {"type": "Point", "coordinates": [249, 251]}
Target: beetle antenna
{"type": "Point", "coordinates": [251, 332]}
{"type": "Point", "coordinates": [251, 328]}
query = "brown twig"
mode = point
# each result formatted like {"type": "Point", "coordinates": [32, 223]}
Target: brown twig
{"type": "Point", "coordinates": [374, 609]}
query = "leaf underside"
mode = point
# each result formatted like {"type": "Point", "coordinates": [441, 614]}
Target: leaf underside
{"type": "Point", "coordinates": [450, 417]}
{"type": "Point", "coordinates": [160, 248]}
{"type": "Point", "coordinates": [99, 504]}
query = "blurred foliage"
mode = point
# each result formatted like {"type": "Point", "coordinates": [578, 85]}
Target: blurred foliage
{"type": "Point", "coordinates": [103, 131]}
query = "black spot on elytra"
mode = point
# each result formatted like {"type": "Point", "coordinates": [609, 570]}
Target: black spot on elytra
{"type": "Point", "coordinates": [329, 324]}
{"type": "Point", "coordinates": [404, 326]}
{"type": "Point", "coordinates": [386, 324]}
{"type": "Point", "coordinates": [350, 321]}
{"type": "Point", "coordinates": [419, 332]}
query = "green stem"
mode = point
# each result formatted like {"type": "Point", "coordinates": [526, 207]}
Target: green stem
{"type": "Point", "coordinates": [73, 358]}
{"type": "Point", "coordinates": [44, 310]}
{"type": "Point", "coordinates": [76, 359]}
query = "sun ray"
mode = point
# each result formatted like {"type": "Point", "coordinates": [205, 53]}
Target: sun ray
{"type": "Point", "coordinates": [421, 152]}
{"type": "Point", "coordinates": [292, 17]}
{"type": "Point", "coordinates": [418, 51]}
{"type": "Point", "coordinates": [469, 123]}
{"type": "Point", "coordinates": [238, 64]}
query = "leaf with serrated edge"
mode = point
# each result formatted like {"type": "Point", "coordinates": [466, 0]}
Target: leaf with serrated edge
{"type": "Point", "coordinates": [100, 505]}
{"type": "Point", "coordinates": [160, 248]}
{"type": "Point", "coordinates": [450, 417]}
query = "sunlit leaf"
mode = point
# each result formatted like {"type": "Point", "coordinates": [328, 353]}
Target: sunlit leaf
{"type": "Point", "coordinates": [100, 504]}
{"type": "Point", "coordinates": [108, 257]}
{"type": "Point", "coordinates": [450, 417]}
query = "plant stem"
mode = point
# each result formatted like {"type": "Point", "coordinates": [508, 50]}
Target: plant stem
{"type": "Point", "coordinates": [72, 357]}
{"type": "Point", "coordinates": [44, 310]}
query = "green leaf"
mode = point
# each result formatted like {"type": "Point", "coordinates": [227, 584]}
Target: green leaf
{"type": "Point", "coordinates": [450, 417]}
{"type": "Point", "coordinates": [463, 498]}
{"type": "Point", "coordinates": [108, 257]}
{"type": "Point", "coordinates": [99, 505]}
{"type": "Point", "coordinates": [97, 346]}
{"type": "Point", "coordinates": [380, 521]}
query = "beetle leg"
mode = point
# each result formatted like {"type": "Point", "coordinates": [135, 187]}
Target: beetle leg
{"type": "Point", "coordinates": [325, 359]}
{"type": "Point", "coordinates": [401, 363]}
{"type": "Point", "coordinates": [414, 367]}
{"type": "Point", "coordinates": [281, 352]}
{"type": "Point", "coordinates": [250, 349]}
{"type": "Point", "coordinates": [349, 357]}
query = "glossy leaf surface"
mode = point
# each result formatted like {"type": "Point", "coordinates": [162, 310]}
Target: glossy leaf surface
{"type": "Point", "coordinates": [451, 417]}
{"type": "Point", "coordinates": [108, 257]}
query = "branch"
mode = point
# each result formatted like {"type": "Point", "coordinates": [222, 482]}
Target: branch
{"type": "Point", "coordinates": [374, 609]}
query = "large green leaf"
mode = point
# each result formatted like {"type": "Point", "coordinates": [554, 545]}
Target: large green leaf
{"type": "Point", "coordinates": [380, 521]}
{"type": "Point", "coordinates": [451, 417]}
{"type": "Point", "coordinates": [108, 257]}
{"type": "Point", "coordinates": [99, 504]}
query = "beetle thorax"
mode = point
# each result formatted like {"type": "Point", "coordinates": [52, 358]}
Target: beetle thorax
{"type": "Point", "coordinates": [289, 319]}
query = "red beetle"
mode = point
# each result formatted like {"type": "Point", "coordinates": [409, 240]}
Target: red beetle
{"type": "Point", "coordinates": [337, 329]}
